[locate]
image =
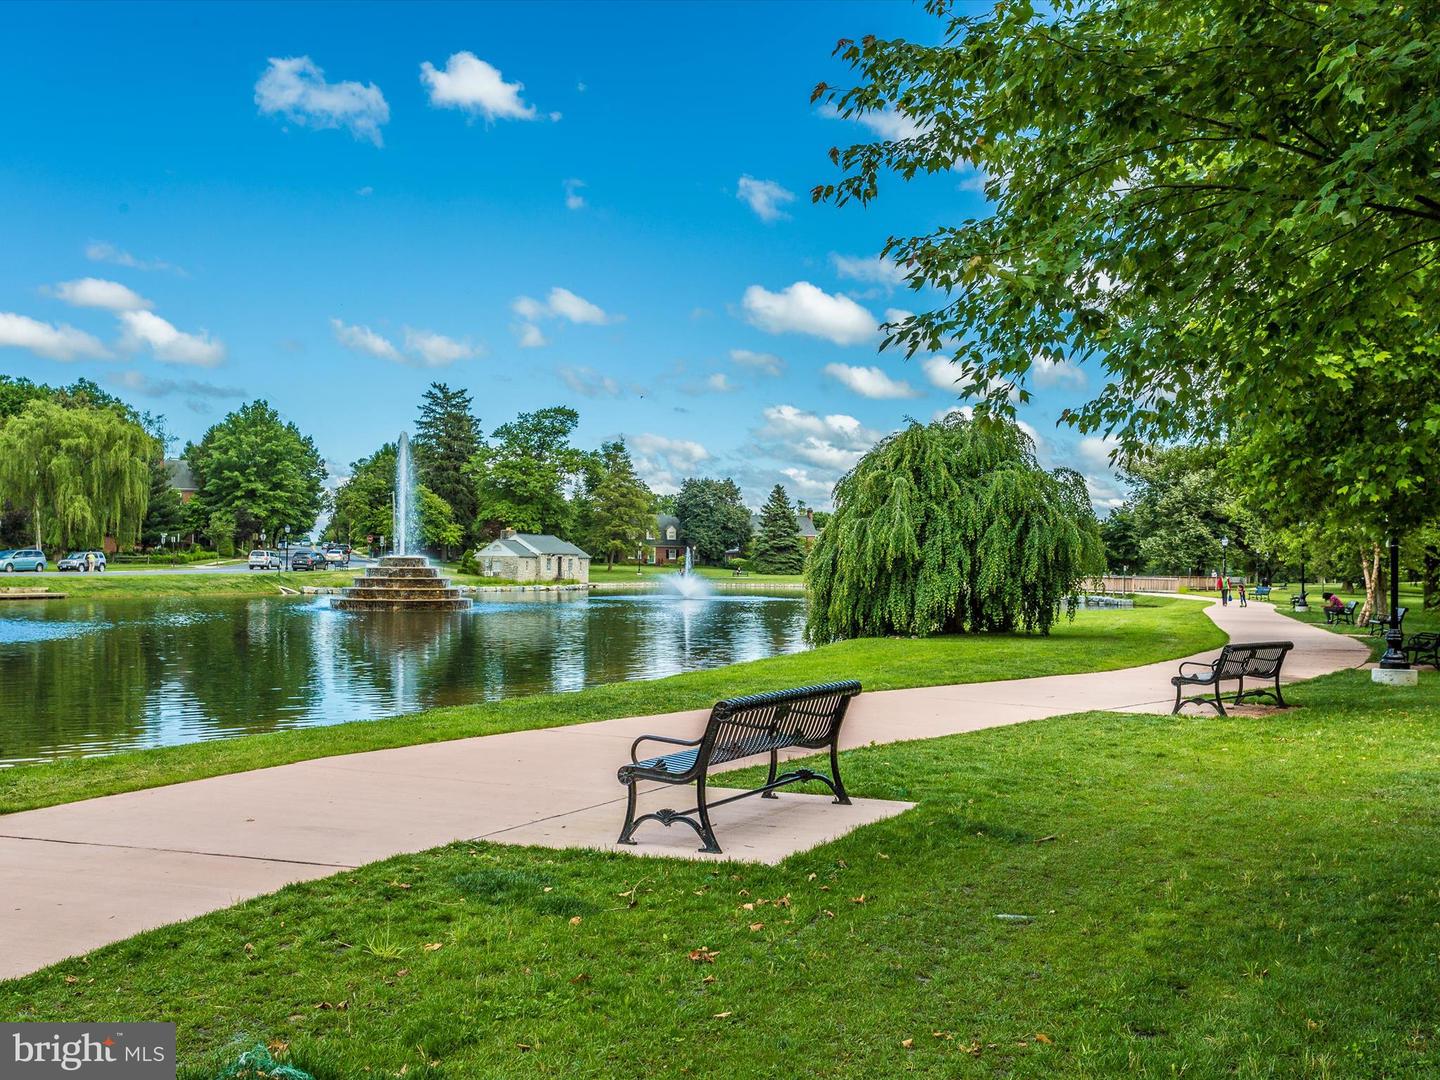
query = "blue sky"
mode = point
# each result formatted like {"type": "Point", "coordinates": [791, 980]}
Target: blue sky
{"type": "Point", "coordinates": [599, 205]}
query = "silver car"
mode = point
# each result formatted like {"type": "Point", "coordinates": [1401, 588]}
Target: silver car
{"type": "Point", "coordinates": [82, 561]}
{"type": "Point", "coordinates": [264, 560]}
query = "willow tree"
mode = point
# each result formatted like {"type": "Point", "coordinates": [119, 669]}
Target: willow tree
{"type": "Point", "coordinates": [83, 473]}
{"type": "Point", "coordinates": [951, 527]}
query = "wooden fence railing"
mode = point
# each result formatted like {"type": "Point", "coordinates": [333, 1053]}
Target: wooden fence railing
{"type": "Point", "coordinates": [1127, 583]}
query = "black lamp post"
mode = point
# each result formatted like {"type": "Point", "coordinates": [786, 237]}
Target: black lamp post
{"type": "Point", "coordinates": [1303, 606]}
{"type": "Point", "coordinates": [1224, 570]}
{"type": "Point", "coordinates": [1394, 659]}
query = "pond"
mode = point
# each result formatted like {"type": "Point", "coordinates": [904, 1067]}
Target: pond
{"type": "Point", "coordinates": [93, 677]}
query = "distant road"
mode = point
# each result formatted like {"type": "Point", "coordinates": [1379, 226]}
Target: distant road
{"type": "Point", "coordinates": [236, 567]}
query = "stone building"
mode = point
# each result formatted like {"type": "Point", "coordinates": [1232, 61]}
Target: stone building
{"type": "Point", "coordinates": [532, 557]}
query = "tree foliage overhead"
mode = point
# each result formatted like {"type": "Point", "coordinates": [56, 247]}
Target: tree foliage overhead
{"type": "Point", "coordinates": [260, 470]}
{"type": "Point", "coordinates": [82, 473]}
{"type": "Point", "coordinates": [713, 517]}
{"type": "Point", "coordinates": [447, 436]}
{"type": "Point", "coordinates": [1219, 202]}
{"type": "Point", "coordinates": [777, 547]}
{"type": "Point", "coordinates": [615, 505]}
{"type": "Point", "coordinates": [951, 527]}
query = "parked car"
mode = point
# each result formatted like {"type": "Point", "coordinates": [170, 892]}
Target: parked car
{"type": "Point", "coordinates": [336, 554]}
{"type": "Point", "coordinates": [23, 559]}
{"type": "Point", "coordinates": [80, 561]}
{"type": "Point", "coordinates": [305, 559]}
{"type": "Point", "coordinates": [265, 560]}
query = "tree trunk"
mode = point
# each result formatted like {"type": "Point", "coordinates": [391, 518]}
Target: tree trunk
{"type": "Point", "coordinates": [1432, 578]}
{"type": "Point", "coordinates": [1370, 565]}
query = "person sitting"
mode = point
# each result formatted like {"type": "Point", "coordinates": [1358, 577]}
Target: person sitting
{"type": "Point", "coordinates": [1333, 606]}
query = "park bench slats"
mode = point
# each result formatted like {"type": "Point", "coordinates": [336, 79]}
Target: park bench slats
{"type": "Point", "coordinates": [1237, 661]}
{"type": "Point", "coordinates": [1379, 623]}
{"type": "Point", "coordinates": [807, 718]}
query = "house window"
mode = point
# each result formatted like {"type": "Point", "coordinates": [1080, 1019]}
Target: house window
{"type": "Point", "coordinates": [670, 532]}
{"type": "Point", "coordinates": [547, 564]}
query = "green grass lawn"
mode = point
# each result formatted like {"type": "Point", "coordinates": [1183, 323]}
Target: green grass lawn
{"type": "Point", "coordinates": [1416, 619]}
{"type": "Point", "coordinates": [1091, 895]}
{"type": "Point", "coordinates": [119, 585]}
{"type": "Point", "coordinates": [1096, 640]}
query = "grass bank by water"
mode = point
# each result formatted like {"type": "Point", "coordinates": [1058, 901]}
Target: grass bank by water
{"type": "Point", "coordinates": [1091, 895]}
{"type": "Point", "coordinates": [1094, 641]}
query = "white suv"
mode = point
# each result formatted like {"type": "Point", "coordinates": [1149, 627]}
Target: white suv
{"type": "Point", "coordinates": [264, 560]}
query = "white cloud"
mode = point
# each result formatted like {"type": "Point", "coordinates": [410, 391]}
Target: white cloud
{"type": "Point", "coordinates": [45, 339]}
{"type": "Point", "coordinates": [895, 316]}
{"type": "Point", "coordinates": [870, 382]}
{"type": "Point", "coordinates": [719, 382]}
{"type": "Point", "coordinates": [765, 197]}
{"type": "Point", "coordinates": [166, 343]}
{"type": "Point", "coordinates": [561, 304]}
{"type": "Point", "coordinates": [769, 363]}
{"type": "Point", "coordinates": [804, 309]}
{"type": "Point", "coordinates": [663, 462]}
{"type": "Point", "coordinates": [962, 410]}
{"type": "Point", "coordinates": [363, 339]}
{"type": "Point", "coordinates": [98, 293]}
{"type": "Point", "coordinates": [1056, 371]}
{"type": "Point", "coordinates": [437, 350]}
{"type": "Point", "coordinates": [469, 83]}
{"type": "Point", "coordinates": [811, 488]}
{"type": "Point", "coordinates": [573, 199]}
{"type": "Point", "coordinates": [786, 421]}
{"type": "Point", "coordinates": [294, 87]}
{"type": "Point", "coordinates": [587, 382]}
{"type": "Point", "coordinates": [100, 252]}
{"type": "Point", "coordinates": [1093, 452]}
{"type": "Point", "coordinates": [870, 268]}
{"type": "Point", "coordinates": [529, 336]}
{"type": "Point", "coordinates": [888, 123]}
{"type": "Point", "coordinates": [365, 191]}
{"type": "Point", "coordinates": [422, 348]}
{"type": "Point", "coordinates": [139, 383]}
{"type": "Point", "coordinates": [942, 372]}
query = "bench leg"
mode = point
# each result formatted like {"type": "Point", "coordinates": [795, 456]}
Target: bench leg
{"type": "Point", "coordinates": [630, 822]}
{"type": "Point", "coordinates": [1279, 698]}
{"type": "Point", "coordinates": [1219, 704]}
{"type": "Point", "coordinates": [707, 833]}
{"type": "Point", "coordinates": [839, 785]}
{"type": "Point", "coordinates": [774, 764]}
{"type": "Point", "coordinates": [1178, 701]}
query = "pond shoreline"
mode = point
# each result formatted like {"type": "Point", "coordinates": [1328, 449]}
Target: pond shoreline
{"type": "Point", "coordinates": [594, 586]}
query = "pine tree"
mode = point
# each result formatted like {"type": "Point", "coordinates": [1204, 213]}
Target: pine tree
{"type": "Point", "coordinates": [447, 436]}
{"type": "Point", "coordinates": [619, 505]}
{"type": "Point", "coordinates": [951, 527]}
{"type": "Point", "coordinates": [778, 549]}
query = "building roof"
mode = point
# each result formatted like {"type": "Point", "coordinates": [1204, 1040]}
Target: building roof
{"type": "Point", "coordinates": [803, 522]}
{"type": "Point", "coordinates": [530, 545]}
{"type": "Point", "coordinates": [181, 478]}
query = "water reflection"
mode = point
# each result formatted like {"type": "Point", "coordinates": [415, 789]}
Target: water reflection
{"type": "Point", "coordinates": [93, 677]}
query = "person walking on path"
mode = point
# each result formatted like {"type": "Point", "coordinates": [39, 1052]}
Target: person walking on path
{"type": "Point", "coordinates": [1242, 594]}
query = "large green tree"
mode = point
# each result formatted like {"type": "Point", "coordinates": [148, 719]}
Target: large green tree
{"type": "Point", "coordinates": [713, 517]}
{"type": "Point", "coordinates": [523, 475]}
{"type": "Point", "coordinates": [447, 436]}
{"type": "Point", "coordinates": [82, 473]}
{"type": "Point", "coordinates": [950, 527]}
{"type": "Point", "coordinates": [617, 505]}
{"type": "Point", "coordinates": [260, 469]}
{"type": "Point", "coordinates": [777, 548]}
{"type": "Point", "coordinates": [1222, 204]}
{"type": "Point", "coordinates": [365, 506]}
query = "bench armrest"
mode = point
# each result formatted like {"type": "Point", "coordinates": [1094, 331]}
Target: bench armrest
{"type": "Point", "coordinates": [661, 738]}
{"type": "Point", "coordinates": [1208, 665]}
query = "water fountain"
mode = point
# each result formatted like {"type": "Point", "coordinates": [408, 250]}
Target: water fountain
{"type": "Point", "coordinates": [687, 585]}
{"type": "Point", "coordinates": [405, 580]}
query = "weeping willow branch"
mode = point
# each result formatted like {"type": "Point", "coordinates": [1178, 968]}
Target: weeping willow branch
{"type": "Point", "coordinates": [951, 527]}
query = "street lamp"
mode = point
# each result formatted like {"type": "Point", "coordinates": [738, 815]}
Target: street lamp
{"type": "Point", "coordinates": [1394, 659]}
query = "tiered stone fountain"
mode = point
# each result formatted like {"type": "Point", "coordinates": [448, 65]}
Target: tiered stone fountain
{"type": "Point", "coordinates": [402, 582]}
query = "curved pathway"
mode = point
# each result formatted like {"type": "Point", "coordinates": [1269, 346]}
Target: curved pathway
{"type": "Point", "coordinates": [85, 874]}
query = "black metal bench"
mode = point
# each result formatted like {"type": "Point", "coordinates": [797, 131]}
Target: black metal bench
{"type": "Point", "coordinates": [1423, 648]}
{"type": "Point", "coordinates": [1299, 600]}
{"type": "Point", "coordinates": [1378, 624]}
{"type": "Point", "coordinates": [1345, 614]}
{"type": "Point", "coordinates": [808, 718]}
{"type": "Point", "coordinates": [1249, 660]}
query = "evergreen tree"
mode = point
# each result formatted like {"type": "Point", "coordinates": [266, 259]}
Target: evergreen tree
{"type": "Point", "coordinates": [713, 517]}
{"type": "Point", "coordinates": [951, 527]}
{"type": "Point", "coordinates": [777, 548]}
{"type": "Point", "coordinates": [164, 513]}
{"type": "Point", "coordinates": [447, 436]}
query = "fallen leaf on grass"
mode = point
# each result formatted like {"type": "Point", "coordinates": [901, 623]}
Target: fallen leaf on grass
{"type": "Point", "coordinates": [575, 920]}
{"type": "Point", "coordinates": [724, 1015]}
{"type": "Point", "coordinates": [754, 926]}
{"type": "Point", "coordinates": [708, 979]}
{"type": "Point", "coordinates": [829, 914]}
{"type": "Point", "coordinates": [431, 946]}
{"type": "Point", "coordinates": [703, 955]}
{"type": "Point", "coordinates": [524, 1046]}
{"type": "Point", "coordinates": [71, 979]}
{"type": "Point", "coordinates": [583, 977]}
{"type": "Point", "coordinates": [399, 884]}
{"type": "Point", "coordinates": [1040, 1036]}
{"type": "Point", "coordinates": [858, 899]}
{"type": "Point", "coordinates": [908, 1044]}
{"type": "Point", "coordinates": [943, 1035]}
{"type": "Point", "coordinates": [1047, 839]}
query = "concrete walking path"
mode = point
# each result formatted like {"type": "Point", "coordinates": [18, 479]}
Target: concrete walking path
{"type": "Point", "coordinates": [86, 874]}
